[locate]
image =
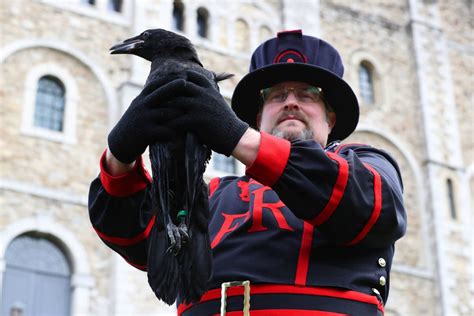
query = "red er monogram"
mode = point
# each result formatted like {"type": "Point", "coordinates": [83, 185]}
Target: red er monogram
{"type": "Point", "coordinates": [231, 221]}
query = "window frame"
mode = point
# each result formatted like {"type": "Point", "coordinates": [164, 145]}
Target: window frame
{"type": "Point", "coordinates": [50, 106]}
{"type": "Point", "coordinates": [380, 80]}
{"type": "Point", "coordinates": [28, 128]}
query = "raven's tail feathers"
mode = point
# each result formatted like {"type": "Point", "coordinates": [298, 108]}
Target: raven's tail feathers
{"type": "Point", "coordinates": [162, 265]}
{"type": "Point", "coordinates": [196, 263]}
{"type": "Point", "coordinates": [196, 260]}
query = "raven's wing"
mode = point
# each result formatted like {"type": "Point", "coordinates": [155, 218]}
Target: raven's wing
{"type": "Point", "coordinates": [162, 265]}
{"type": "Point", "coordinates": [197, 260]}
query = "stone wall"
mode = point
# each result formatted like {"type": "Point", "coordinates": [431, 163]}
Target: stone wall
{"type": "Point", "coordinates": [421, 54]}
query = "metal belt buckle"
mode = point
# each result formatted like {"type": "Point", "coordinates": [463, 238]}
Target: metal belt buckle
{"type": "Point", "coordinates": [226, 285]}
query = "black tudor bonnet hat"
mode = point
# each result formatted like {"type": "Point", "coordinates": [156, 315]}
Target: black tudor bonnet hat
{"type": "Point", "coordinates": [292, 56]}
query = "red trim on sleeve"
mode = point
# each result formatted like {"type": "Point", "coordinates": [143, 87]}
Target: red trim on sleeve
{"type": "Point", "coordinates": [305, 250]}
{"type": "Point", "coordinates": [272, 156]}
{"type": "Point", "coordinates": [377, 207]}
{"type": "Point", "coordinates": [125, 184]}
{"type": "Point", "coordinates": [213, 185]}
{"type": "Point", "coordinates": [119, 241]}
{"type": "Point", "coordinates": [337, 191]}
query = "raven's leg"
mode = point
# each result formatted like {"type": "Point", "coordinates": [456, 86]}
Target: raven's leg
{"type": "Point", "coordinates": [183, 226]}
{"type": "Point", "coordinates": [177, 235]}
{"type": "Point", "coordinates": [174, 237]}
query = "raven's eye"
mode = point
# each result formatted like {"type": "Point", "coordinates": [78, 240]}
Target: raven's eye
{"type": "Point", "coordinates": [145, 34]}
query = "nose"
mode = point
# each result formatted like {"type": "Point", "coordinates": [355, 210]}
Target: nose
{"type": "Point", "coordinates": [291, 102]}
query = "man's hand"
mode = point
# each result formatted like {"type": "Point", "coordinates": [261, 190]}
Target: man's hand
{"type": "Point", "coordinates": [143, 122]}
{"type": "Point", "coordinates": [206, 114]}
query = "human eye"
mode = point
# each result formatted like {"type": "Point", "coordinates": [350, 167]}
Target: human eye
{"type": "Point", "coordinates": [313, 93]}
{"type": "Point", "coordinates": [306, 95]}
{"type": "Point", "coordinates": [277, 95]}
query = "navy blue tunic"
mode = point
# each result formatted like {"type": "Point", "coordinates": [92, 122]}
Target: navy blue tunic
{"type": "Point", "coordinates": [313, 229]}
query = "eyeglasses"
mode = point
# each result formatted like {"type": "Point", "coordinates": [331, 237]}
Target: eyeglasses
{"type": "Point", "coordinates": [303, 94]}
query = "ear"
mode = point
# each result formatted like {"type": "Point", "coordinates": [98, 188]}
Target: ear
{"type": "Point", "coordinates": [331, 118]}
{"type": "Point", "coordinates": [259, 119]}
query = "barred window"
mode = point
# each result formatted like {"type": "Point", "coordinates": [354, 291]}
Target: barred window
{"type": "Point", "coordinates": [202, 22]}
{"type": "Point", "coordinates": [224, 164]}
{"type": "Point", "coordinates": [178, 15]}
{"type": "Point", "coordinates": [115, 5]}
{"type": "Point", "coordinates": [49, 106]}
{"type": "Point", "coordinates": [366, 83]}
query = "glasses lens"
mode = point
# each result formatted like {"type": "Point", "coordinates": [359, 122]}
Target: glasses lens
{"type": "Point", "coordinates": [303, 94]}
{"type": "Point", "coordinates": [274, 94]}
{"type": "Point", "coordinates": [309, 93]}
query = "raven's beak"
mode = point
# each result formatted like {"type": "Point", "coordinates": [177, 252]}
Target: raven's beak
{"type": "Point", "coordinates": [128, 46]}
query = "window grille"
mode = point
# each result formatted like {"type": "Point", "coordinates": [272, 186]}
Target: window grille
{"type": "Point", "coordinates": [49, 106]}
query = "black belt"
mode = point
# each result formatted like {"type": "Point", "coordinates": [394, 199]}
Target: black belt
{"type": "Point", "coordinates": [286, 300]}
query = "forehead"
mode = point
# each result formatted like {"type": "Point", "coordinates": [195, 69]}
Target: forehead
{"type": "Point", "coordinates": [291, 84]}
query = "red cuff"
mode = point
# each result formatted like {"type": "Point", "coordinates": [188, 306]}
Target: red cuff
{"type": "Point", "coordinates": [125, 184]}
{"type": "Point", "coordinates": [271, 160]}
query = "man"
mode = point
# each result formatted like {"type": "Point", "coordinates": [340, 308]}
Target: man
{"type": "Point", "coordinates": [312, 227]}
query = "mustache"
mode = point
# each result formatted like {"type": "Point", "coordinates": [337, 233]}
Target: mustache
{"type": "Point", "coordinates": [294, 114]}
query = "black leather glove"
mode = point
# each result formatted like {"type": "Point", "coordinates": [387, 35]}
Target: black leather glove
{"type": "Point", "coordinates": [206, 114]}
{"type": "Point", "coordinates": [143, 122]}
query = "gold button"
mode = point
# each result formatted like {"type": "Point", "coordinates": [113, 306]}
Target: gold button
{"type": "Point", "coordinates": [382, 281]}
{"type": "Point", "coordinates": [382, 262]}
{"type": "Point", "coordinates": [375, 291]}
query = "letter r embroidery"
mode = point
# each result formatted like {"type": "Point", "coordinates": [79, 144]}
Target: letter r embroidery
{"type": "Point", "coordinates": [259, 205]}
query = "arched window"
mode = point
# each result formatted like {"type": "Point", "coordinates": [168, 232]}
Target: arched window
{"type": "Point", "coordinates": [49, 105]}
{"type": "Point", "coordinates": [178, 15]}
{"type": "Point", "coordinates": [37, 278]}
{"type": "Point", "coordinates": [115, 5]}
{"type": "Point", "coordinates": [366, 83]}
{"type": "Point", "coordinates": [224, 164]}
{"type": "Point", "coordinates": [203, 22]}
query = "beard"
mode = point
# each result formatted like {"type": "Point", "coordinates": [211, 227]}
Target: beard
{"type": "Point", "coordinates": [291, 134]}
{"type": "Point", "coordinates": [305, 134]}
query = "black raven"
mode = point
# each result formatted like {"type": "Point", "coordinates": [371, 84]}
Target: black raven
{"type": "Point", "coordinates": [179, 253]}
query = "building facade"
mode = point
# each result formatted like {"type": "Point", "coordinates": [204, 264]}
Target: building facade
{"type": "Point", "coordinates": [410, 63]}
